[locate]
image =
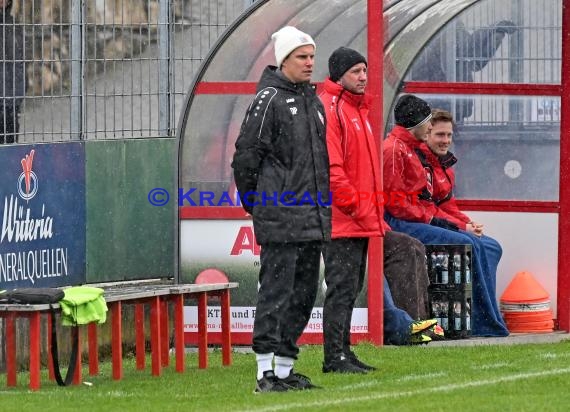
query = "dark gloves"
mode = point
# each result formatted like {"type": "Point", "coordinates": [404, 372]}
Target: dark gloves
{"type": "Point", "coordinates": [445, 224]}
{"type": "Point", "coordinates": [248, 200]}
{"type": "Point", "coordinates": [505, 26]}
{"type": "Point", "coordinates": [246, 182]}
{"type": "Point", "coordinates": [248, 209]}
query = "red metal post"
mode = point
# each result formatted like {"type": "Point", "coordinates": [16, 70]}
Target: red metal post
{"type": "Point", "coordinates": [563, 294]}
{"type": "Point", "coordinates": [202, 330]}
{"type": "Point", "coordinates": [375, 89]}
{"type": "Point", "coordinates": [139, 336]}
{"type": "Point", "coordinates": [35, 343]}
{"type": "Point", "coordinates": [155, 335]}
{"type": "Point", "coordinates": [226, 327]}
{"type": "Point", "coordinates": [11, 378]}
{"type": "Point", "coordinates": [164, 344]}
{"type": "Point", "coordinates": [77, 376]}
{"type": "Point", "coordinates": [116, 340]}
{"type": "Point", "coordinates": [179, 331]}
{"type": "Point", "coordinates": [93, 349]}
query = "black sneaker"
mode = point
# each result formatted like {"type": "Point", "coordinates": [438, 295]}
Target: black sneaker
{"type": "Point", "coordinates": [298, 381]}
{"type": "Point", "coordinates": [357, 362]}
{"type": "Point", "coordinates": [270, 383]}
{"type": "Point", "coordinates": [343, 365]}
{"type": "Point", "coordinates": [419, 339]}
{"type": "Point", "coordinates": [436, 332]}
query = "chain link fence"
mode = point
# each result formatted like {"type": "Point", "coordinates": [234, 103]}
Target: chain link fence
{"type": "Point", "coordinates": [102, 69]}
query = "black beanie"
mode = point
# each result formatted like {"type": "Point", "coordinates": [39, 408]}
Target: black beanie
{"type": "Point", "coordinates": [411, 111]}
{"type": "Point", "coordinates": [343, 59]}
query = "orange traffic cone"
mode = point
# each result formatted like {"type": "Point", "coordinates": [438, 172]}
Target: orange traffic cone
{"type": "Point", "coordinates": [524, 289]}
{"type": "Point", "coordinates": [525, 305]}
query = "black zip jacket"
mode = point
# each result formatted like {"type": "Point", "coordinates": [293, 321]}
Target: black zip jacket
{"type": "Point", "coordinates": [281, 166]}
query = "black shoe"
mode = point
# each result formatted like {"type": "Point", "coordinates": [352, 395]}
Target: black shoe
{"type": "Point", "coordinates": [270, 383]}
{"type": "Point", "coordinates": [298, 381]}
{"type": "Point", "coordinates": [343, 365]}
{"type": "Point", "coordinates": [436, 332]}
{"type": "Point", "coordinates": [357, 362]}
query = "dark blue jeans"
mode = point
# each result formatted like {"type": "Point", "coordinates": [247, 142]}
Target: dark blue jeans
{"type": "Point", "coordinates": [485, 314]}
{"type": "Point", "coordinates": [397, 322]}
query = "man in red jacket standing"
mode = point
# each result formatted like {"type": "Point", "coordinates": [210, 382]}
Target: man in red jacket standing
{"type": "Point", "coordinates": [357, 216]}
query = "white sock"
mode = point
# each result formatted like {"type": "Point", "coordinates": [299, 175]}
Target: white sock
{"type": "Point", "coordinates": [264, 361]}
{"type": "Point", "coordinates": [283, 366]}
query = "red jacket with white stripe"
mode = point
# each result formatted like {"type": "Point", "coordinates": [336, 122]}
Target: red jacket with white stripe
{"type": "Point", "coordinates": [443, 184]}
{"type": "Point", "coordinates": [407, 182]}
{"type": "Point", "coordinates": [354, 164]}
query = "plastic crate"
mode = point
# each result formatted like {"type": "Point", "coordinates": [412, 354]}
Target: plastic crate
{"type": "Point", "coordinates": [450, 289]}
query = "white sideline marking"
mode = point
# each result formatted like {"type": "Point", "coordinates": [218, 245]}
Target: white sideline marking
{"type": "Point", "coordinates": [548, 355]}
{"type": "Point", "coordinates": [366, 384]}
{"type": "Point", "coordinates": [435, 389]}
{"type": "Point", "coordinates": [424, 376]}
{"type": "Point", "coordinates": [490, 366]}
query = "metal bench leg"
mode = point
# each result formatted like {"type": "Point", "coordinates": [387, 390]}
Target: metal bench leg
{"type": "Point", "coordinates": [139, 336]}
{"type": "Point", "coordinates": [164, 335]}
{"type": "Point", "coordinates": [155, 335]}
{"type": "Point", "coordinates": [179, 332]}
{"type": "Point", "coordinates": [35, 343]}
{"type": "Point", "coordinates": [116, 340]}
{"type": "Point", "coordinates": [11, 378]}
{"type": "Point", "coordinates": [51, 373]}
{"type": "Point", "coordinates": [77, 376]}
{"type": "Point", "coordinates": [226, 328]}
{"type": "Point", "coordinates": [202, 330]}
{"type": "Point", "coordinates": [93, 349]}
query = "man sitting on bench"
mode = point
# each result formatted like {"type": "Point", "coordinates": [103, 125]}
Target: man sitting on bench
{"type": "Point", "coordinates": [406, 170]}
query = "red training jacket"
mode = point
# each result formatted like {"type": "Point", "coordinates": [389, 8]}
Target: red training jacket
{"type": "Point", "coordinates": [406, 181]}
{"type": "Point", "coordinates": [443, 184]}
{"type": "Point", "coordinates": [354, 164]}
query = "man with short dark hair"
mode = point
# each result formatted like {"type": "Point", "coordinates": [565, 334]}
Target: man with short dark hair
{"type": "Point", "coordinates": [407, 170]}
{"type": "Point", "coordinates": [357, 216]}
{"type": "Point", "coordinates": [441, 160]}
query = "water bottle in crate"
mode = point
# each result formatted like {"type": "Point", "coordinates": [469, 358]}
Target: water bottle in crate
{"type": "Point", "coordinates": [449, 270]}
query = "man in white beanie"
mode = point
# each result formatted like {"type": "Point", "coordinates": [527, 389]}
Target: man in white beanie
{"type": "Point", "coordinates": [281, 173]}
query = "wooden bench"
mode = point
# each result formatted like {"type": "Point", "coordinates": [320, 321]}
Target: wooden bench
{"type": "Point", "coordinates": [157, 297]}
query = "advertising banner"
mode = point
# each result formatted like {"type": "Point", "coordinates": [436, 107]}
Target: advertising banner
{"type": "Point", "coordinates": [42, 208]}
{"type": "Point", "coordinates": [229, 246]}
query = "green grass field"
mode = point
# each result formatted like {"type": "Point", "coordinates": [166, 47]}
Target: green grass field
{"type": "Point", "coordinates": [531, 377]}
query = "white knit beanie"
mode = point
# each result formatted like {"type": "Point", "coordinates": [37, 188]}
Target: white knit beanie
{"type": "Point", "coordinates": [288, 39]}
